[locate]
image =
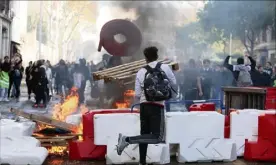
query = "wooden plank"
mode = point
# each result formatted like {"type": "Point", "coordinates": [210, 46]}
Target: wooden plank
{"type": "Point", "coordinates": [127, 70]}
{"type": "Point", "coordinates": [51, 140]}
{"type": "Point", "coordinates": [56, 137]}
{"type": "Point", "coordinates": [45, 120]}
{"type": "Point", "coordinates": [56, 144]}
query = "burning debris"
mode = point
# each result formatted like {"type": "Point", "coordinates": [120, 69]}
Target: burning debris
{"type": "Point", "coordinates": [127, 100]}
{"type": "Point", "coordinates": [53, 133]}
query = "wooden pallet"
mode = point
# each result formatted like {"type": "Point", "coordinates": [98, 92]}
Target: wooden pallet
{"type": "Point", "coordinates": [125, 74]}
{"type": "Point", "coordinates": [49, 141]}
{"type": "Point", "coordinates": [45, 120]}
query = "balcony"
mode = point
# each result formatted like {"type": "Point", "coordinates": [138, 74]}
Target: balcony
{"type": "Point", "coordinates": [5, 12]}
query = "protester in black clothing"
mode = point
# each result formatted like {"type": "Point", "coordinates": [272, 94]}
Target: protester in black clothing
{"type": "Point", "coordinates": [273, 78]}
{"type": "Point", "coordinates": [41, 85]}
{"type": "Point", "coordinates": [16, 75]}
{"type": "Point", "coordinates": [236, 69]}
{"type": "Point", "coordinates": [264, 79]}
{"type": "Point", "coordinates": [28, 79]}
{"type": "Point", "coordinates": [62, 77]}
{"type": "Point", "coordinates": [192, 87]}
{"type": "Point", "coordinates": [87, 77]}
{"type": "Point", "coordinates": [268, 69]}
{"type": "Point", "coordinates": [206, 75]}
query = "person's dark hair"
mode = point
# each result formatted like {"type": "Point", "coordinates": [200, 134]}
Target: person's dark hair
{"type": "Point", "coordinates": [31, 62]}
{"type": "Point", "coordinates": [269, 63]}
{"type": "Point", "coordinates": [240, 61]}
{"type": "Point", "coordinates": [6, 57]}
{"type": "Point", "coordinates": [192, 63]}
{"type": "Point", "coordinates": [151, 54]}
{"type": "Point", "coordinates": [206, 61]}
{"type": "Point", "coordinates": [62, 62]}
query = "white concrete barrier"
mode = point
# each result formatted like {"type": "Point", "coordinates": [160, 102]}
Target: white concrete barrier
{"type": "Point", "coordinates": [108, 126]}
{"type": "Point", "coordinates": [182, 126]}
{"type": "Point", "coordinates": [244, 125]}
{"type": "Point", "coordinates": [11, 128]}
{"type": "Point", "coordinates": [157, 154]}
{"type": "Point", "coordinates": [200, 136]}
{"type": "Point", "coordinates": [207, 149]}
{"type": "Point", "coordinates": [74, 119]}
{"type": "Point", "coordinates": [18, 142]}
{"type": "Point", "coordinates": [20, 156]}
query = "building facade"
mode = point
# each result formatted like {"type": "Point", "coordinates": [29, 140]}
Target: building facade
{"type": "Point", "coordinates": [266, 47]}
{"type": "Point", "coordinates": [6, 17]}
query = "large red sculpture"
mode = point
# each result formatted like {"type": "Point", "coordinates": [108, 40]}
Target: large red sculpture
{"type": "Point", "coordinates": [126, 28]}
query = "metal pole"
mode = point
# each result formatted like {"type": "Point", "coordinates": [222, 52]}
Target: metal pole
{"type": "Point", "coordinates": [230, 45]}
{"type": "Point", "coordinates": [40, 30]}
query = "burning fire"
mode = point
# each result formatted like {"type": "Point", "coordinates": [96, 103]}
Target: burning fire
{"type": "Point", "coordinates": [61, 111]}
{"type": "Point", "coordinates": [68, 107]}
{"type": "Point", "coordinates": [57, 150]}
{"type": "Point", "coordinates": [128, 97]}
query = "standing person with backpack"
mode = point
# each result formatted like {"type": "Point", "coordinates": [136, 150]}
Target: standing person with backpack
{"type": "Point", "coordinates": [153, 86]}
{"type": "Point", "coordinates": [241, 72]}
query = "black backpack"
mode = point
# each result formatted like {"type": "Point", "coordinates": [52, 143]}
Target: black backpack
{"type": "Point", "coordinates": [157, 86]}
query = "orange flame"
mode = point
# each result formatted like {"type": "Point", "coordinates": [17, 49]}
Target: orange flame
{"type": "Point", "coordinates": [128, 97]}
{"type": "Point", "coordinates": [57, 150]}
{"type": "Point", "coordinates": [61, 111]}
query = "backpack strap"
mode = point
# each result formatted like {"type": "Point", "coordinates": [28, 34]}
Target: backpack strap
{"type": "Point", "coordinates": [158, 65]}
{"type": "Point", "coordinates": [149, 69]}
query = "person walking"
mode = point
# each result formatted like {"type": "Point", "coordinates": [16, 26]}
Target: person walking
{"type": "Point", "coordinates": [28, 79]}
{"type": "Point", "coordinates": [152, 96]}
{"type": "Point", "coordinates": [4, 79]}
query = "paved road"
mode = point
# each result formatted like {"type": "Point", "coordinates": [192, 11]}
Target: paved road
{"type": "Point", "coordinates": [65, 161]}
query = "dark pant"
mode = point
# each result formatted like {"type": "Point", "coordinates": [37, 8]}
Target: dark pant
{"type": "Point", "coordinates": [10, 86]}
{"type": "Point", "coordinates": [191, 94]}
{"type": "Point", "coordinates": [29, 87]}
{"type": "Point", "coordinates": [206, 92]}
{"type": "Point", "coordinates": [152, 128]}
{"type": "Point", "coordinates": [17, 83]}
{"type": "Point", "coordinates": [40, 94]}
{"type": "Point", "coordinates": [81, 92]}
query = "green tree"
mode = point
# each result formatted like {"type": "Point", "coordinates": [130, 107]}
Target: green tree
{"type": "Point", "coordinates": [243, 19]}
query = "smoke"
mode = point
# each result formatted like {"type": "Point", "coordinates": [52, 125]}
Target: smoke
{"type": "Point", "coordinates": [157, 21]}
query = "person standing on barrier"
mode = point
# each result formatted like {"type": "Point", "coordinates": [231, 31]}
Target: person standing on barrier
{"type": "Point", "coordinates": [153, 86]}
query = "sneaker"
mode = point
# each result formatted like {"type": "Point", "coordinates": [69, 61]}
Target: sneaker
{"type": "Point", "coordinates": [35, 106]}
{"type": "Point", "coordinates": [6, 100]}
{"type": "Point", "coordinates": [42, 105]}
{"type": "Point", "coordinates": [122, 144]}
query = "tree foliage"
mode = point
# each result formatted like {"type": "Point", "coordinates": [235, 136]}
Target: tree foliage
{"type": "Point", "coordinates": [243, 19]}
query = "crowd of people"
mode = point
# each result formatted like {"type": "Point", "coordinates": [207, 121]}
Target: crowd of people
{"type": "Point", "coordinates": [204, 80]}
{"type": "Point", "coordinates": [43, 79]}
{"type": "Point", "coordinates": [195, 80]}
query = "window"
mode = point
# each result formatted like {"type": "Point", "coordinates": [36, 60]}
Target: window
{"type": "Point", "coordinates": [29, 24]}
{"type": "Point", "coordinates": [43, 32]}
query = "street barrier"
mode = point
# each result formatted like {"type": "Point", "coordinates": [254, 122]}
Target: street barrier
{"type": "Point", "coordinates": [17, 144]}
{"type": "Point", "coordinates": [244, 125]}
{"type": "Point", "coordinates": [87, 149]}
{"type": "Point", "coordinates": [264, 149]}
{"type": "Point", "coordinates": [200, 135]}
{"type": "Point", "coordinates": [11, 128]}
